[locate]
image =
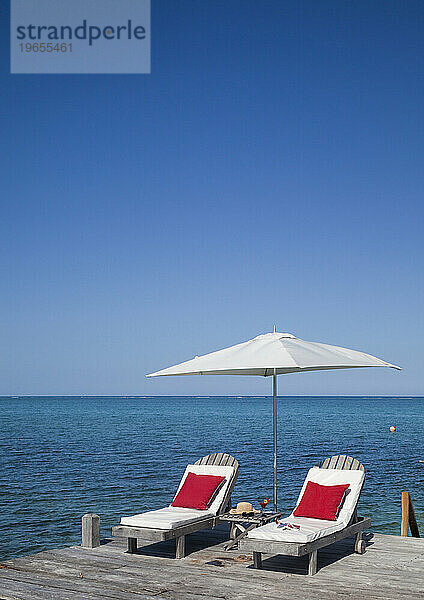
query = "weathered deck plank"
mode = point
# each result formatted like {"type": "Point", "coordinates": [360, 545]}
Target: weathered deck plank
{"type": "Point", "coordinates": [392, 567]}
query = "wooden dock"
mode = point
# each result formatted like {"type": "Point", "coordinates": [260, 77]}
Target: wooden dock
{"type": "Point", "coordinates": [392, 568]}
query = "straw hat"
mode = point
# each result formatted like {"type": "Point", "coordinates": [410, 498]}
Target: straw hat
{"type": "Point", "coordinates": [243, 507]}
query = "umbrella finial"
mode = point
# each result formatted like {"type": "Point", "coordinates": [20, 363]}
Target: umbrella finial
{"type": "Point", "coordinates": [275, 328]}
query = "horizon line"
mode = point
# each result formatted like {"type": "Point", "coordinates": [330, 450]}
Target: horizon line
{"type": "Point", "coordinates": [211, 395]}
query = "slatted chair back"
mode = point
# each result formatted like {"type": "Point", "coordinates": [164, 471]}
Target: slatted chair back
{"type": "Point", "coordinates": [341, 462]}
{"type": "Point", "coordinates": [222, 460]}
{"type": "Point", "coordinates": [346, 463]}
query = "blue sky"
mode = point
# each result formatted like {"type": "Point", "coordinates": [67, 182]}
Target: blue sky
{"type": "Point", "coordinates": [269, 170]}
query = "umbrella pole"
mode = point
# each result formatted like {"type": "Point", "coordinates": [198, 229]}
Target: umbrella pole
{"type": "Point", "coordinates": [274, 392]}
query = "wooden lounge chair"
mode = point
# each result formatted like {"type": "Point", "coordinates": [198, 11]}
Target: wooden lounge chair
{"type": "Point", "coordinates": [175, 523]}
{"type": "Point", "coordinates": [315, 533]}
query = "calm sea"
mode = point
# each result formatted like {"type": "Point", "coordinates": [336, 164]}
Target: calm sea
{"type": "Point", "coordinates": [61, 457]}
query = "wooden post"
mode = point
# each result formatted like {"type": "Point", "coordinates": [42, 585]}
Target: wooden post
{"type": "Point", "coordinates": [408, 520]}
{"type": "Point", "coordinates": [90, 531]}
{"type": "Point", "coordinates": [132, 545]}
{"type": "Point", "coordinates": [404, 523]}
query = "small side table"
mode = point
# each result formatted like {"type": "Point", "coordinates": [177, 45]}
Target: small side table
{"type": "Point", "coordinates": [241, 525]}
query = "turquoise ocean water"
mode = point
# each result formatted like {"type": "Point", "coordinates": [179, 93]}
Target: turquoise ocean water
{"type": "Point", "coordinates": [63, 456]}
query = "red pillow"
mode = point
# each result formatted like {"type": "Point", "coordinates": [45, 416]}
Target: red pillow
{"type": "Point", "coordinates": [321, 501]}
{"type": "Point", "coordinates": [197, 491]}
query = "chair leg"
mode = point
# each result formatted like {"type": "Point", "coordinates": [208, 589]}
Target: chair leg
{"type": "Point", "coordinates": [132, 545]}
{"type": "Point", "coordinates": [257, 560]}
{"type": "Point", "coordinates": [180, 547]}
{"type": "Point", "coordinates": [359, 543]}
{"type": "Point", "coordinates": [313, 562]}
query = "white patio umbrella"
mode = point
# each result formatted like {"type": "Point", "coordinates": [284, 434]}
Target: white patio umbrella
{"type": "Point", "coordinates": [273, 354]}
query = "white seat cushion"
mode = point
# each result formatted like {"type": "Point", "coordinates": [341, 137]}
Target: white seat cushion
{"type": "Point", "coordinates": [172, 517]}
{"type": "Point", "coordinates": [166, 518]}
{"type": "Point", "coordinates": [312, 529]}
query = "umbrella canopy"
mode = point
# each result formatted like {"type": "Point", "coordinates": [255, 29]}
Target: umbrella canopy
{"type": "Point", "coordinates": [274, 354]}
